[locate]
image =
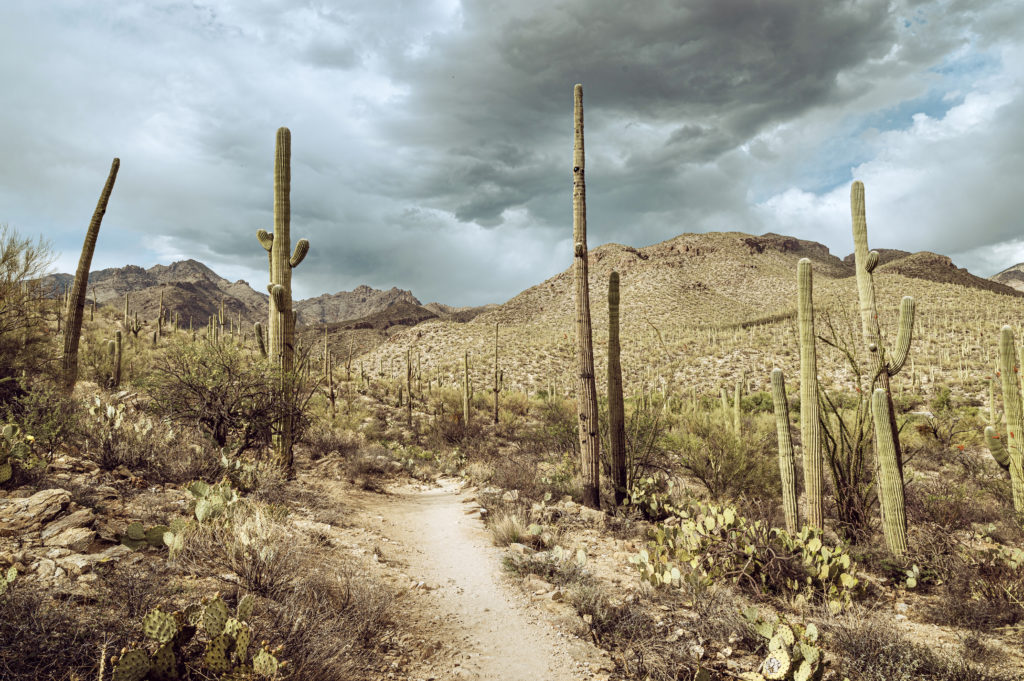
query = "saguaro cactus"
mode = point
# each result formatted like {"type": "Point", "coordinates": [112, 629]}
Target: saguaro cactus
{"type": "Point", "coordinates": [281, 321]}
{"type": "Point", "coordinates": [882, 368]}
{"type": "Point", "coordinates": [810, 428]}
{"type": "Point", "coordinates": [586, 397]}
{"type": "Point", "coordinates": [890, 487]}
{"type": "Point", "coordinates": [499, 376]}
{"type": "Point", "coordinates": [116, 351]}
{"type": "Point", "coordinates": [616, 408]}
{"type": "Point", "coordinates": [76, 300]}
{"type": "Point", "coordinates": [465, 390]}
{"type": "Point", "coordinates": [1011, 454]}
{"type": "Point", "coordinates": [787, 468]}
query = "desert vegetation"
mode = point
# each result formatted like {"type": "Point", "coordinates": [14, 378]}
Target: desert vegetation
{"type": "Point", "coordinates": [190, 502]}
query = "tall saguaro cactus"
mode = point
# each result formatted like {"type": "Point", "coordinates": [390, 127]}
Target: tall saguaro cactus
{"type": "Point", "coordinates": [882, 368]}
{"type": "Point", "coordinates": [586, 396]}
{"type": "Point", "coordinates": [281, 321]}
{"type": "Point", "coordinates": [787, 468]}
{"type": "Point", "coordinates": [890, 487]}
{"type": "Point", "coordinates": [616, 408]}
{"type": "Point", "coordinates": [810, 427]}
{"type": "Point", "coordinates": [76, 299]}
{"type": "Point", "coordinates": [1011, 454]}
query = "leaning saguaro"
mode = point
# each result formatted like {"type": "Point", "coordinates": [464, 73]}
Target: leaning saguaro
{"type": "Point", "coordinates": [76, 301]}
{"type": "Point", "coordinates": [281, 321]}
{"type": "Point", "coordinates": [586, 394]}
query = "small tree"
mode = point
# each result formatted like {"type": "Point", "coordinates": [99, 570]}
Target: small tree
{"type": "Point", "coordinates": [231, 395]}
{"type": "Point", "coordinates": [24, 346]}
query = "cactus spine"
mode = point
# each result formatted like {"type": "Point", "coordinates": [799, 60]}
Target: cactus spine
{"type": "Point", "coordinates": [76, 299]}
{"type": "Point", "coordinates": [616, 407]}
{"type": "Point", "coordinates": [810, 428]}
{"type": "Point", "coordinates": [787, 467]}
{"type": "Point", "coordinates": [281, 321]}
{"type": "Point", "coordinates": [890, 488]}
{"type": "Point", "coordinates": [1011, 454]}
{"type": "Point", "coordinates": [590, 443]}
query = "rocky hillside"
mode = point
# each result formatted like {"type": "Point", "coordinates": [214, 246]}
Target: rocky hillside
{"type": "Point", "coordinates": [695, 307]}
{"type": "Point", "coordinates": [193, 291]}
{"type": "Point", "coordinates": [1011, 276]}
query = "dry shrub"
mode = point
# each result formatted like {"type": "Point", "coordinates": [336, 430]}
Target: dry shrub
{"type": "Point", "coordinates": [43, 639]}
{"type": "Point", "coordinates": [324, 440]}
{"type": "Point", "coordinates": [333, 628]}
{"type": "Point", "coordinates": [980, 597]}
{"type": "Point", "coordinates": [511, 527]}
{"type": "Point", "coordinates": [947, 505]}
{"type": "Point", "coordinates": [873, 649]}
{"type": "Point", "coordinates": [255, 545]}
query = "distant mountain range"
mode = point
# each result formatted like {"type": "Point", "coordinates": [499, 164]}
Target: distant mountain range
{"type": "Point", "coordinates": [193, 291]}
{"type": "Point", "coordinates": [721, 278]}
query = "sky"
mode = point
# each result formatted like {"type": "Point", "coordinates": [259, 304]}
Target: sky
{"type": "Point", "coordinates": [432, 140]}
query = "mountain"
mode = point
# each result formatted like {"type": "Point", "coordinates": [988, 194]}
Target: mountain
{"type": "Point", "coordinates": [696, 308]}
{"type": "Point", "coordinates": [344, 305]}
{"type": "Point", "coordinates": [194, 292]}
{"type": "Point", "coordinates": [1011, 276]}
{"type": "Point", "coordinates": [938, 268]}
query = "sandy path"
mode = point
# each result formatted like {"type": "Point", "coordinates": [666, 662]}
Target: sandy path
{"type": "Point", "coordinates": [500, 634]}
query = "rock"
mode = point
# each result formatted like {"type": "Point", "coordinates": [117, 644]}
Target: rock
{"type": "Point", "coordinates": [114, 552]}
{"type": "Point", "coordinates": [79, 563]}
{"type": "Point", "coordinates": [55, 553]}
{"type": "Point", "coordinates": [519, 549]}
{"type": "Point", "coordinates": [535, 584]}
{"type": "Point", "coordinates": [81, 518]}
{"type": "Point", "coordinates": [44, 568]}
{"type": "Point", "coordinates": [510, 496]}
{"type": "Point", "coordinates": [592, 515]}
{"type": "Point", "coordinates": [74, 538]}
{"type": "Point", "coordinates": [30, 514]}
{"type": "Point", "coordinates": [902, 608]}
{"type": "Point", "coordinates": [560, 608]}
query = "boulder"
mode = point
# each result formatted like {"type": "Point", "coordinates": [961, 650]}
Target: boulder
{"type": "Point", "coordinates": [81, 518]}
{"type": "Point", "coordinates": [74, 538]}
{"type": "Point", "coordinates": [31, 513]}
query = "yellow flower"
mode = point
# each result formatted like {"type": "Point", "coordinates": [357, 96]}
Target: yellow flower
{"type": "Point", "coordinates": [30, 438]}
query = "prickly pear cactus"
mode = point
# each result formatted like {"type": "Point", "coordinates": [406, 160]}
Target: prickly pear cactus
{"type": "Point", "coordinates": [793, 653]}
{"type": "Point", "coordinates": [215, 616]}
{"type": "Point", "coordinates": [7, 579]}
{"type": "Point", "coordinates": [159, 626]}
{"type": "Point", "coordinates": [132, 665]}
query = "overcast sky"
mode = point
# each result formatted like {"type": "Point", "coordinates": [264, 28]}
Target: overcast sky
{"type": "Point", "coordinates": [432, 141]}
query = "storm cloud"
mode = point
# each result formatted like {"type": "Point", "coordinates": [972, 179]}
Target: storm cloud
{"type": "Point", "coordinates": [432, 140]}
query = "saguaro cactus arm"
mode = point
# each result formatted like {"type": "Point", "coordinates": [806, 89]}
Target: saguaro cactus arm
{"type": "Point", "coordinates": [997, 448]}
{"type": "Point", "coordinates": [890, 489]}
{"type": "Point", "coordinates": [904, 336]}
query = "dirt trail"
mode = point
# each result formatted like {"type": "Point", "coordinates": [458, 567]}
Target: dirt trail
{"type": "Point", "coordinates": [491, 628]}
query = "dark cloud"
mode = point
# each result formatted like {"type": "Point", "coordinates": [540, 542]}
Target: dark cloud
{"type": "Point", "coordinates": [432, 140]}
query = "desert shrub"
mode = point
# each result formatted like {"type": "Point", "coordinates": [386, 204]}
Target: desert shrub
{"type": "Point", "coordinates": [982, 590]}
{"type": "Point", "coordinates": [250, 541]}
{"type": "Point", "coordinates": [727, 464]}
{"type": "Point", "coordinates": [325, 440]}
{"type": "Point", "coordinates": [510, 528]}
{"type": "Point", "coordinates": [44, 639]}
{"type": "Point", "coordinates": [226, 391]}
{"type": "Point", "coordinates": [948, 505]}
{"type": "Point", "coordinates": [873, 649]}
{"type": "Point", "coordinates": [555, 428]}
{"type": "Point", "coordinates": [347, 623]}
{"type": "Point", "coordinates": [47, 413]}
{"type": "Point", "coordinates": [25, 346]}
